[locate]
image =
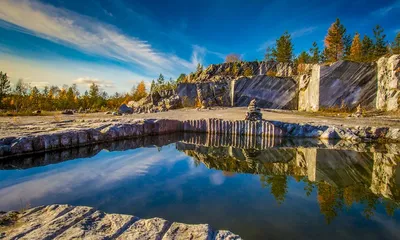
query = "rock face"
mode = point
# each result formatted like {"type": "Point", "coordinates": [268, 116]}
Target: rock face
{"type": "Point", "coordinates": [308, 82]}
{"type": "Point", "coordinates": [388, 95]}
{"type": "Point", "coordinates": [270, 92]}
{"type": "Point", "coordinates": [348, 84]}
{"type": "Point", "coordinates": [68, 222]}
{"type": "Point", "coordinates": [343, 84]}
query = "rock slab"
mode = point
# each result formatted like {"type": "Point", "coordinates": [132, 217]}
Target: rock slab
{"type": "Point", "coordinates": [69, 222]}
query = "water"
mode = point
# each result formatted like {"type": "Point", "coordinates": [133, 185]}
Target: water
{"type": "Point", "coordinates": [285, 191]}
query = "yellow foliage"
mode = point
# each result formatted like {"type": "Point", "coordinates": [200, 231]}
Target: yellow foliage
{"type": "Point", "coordinates": [356, 49]}
{"type": "Point", "coordinates": [271, 73]}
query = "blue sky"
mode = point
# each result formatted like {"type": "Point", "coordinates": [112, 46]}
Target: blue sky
{"type": "Point", "coordinates": [117, 43]}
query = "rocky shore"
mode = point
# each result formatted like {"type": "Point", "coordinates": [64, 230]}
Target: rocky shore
{"type": "Point", "coordinates": [110, 131]}
{"type": "Point", "coordinates": [70, 222]}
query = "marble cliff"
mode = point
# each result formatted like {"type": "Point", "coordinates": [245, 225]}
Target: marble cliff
{"type": "Point", "coordinates": [307, 87]}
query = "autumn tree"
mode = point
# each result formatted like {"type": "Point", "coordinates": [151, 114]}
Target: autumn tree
{"type": "Point", "coordinates": [315, 53]}
{"type": "Point", "coordinates": [380, 47]}
{"type": "Point", "coordinates": [4, 86]}
{"type": "Point", "coordinates": [334, 42]}
{"type": "Point", "coordinates": [284, 48]}
{"type": "Point", "coordinates": [233, 57]}
{"type": "Point", "coordinates": [356, 49]}
{"type": "Point", "coordinates": [140, 91]}
{"type": "Point", "coordinates": [367, 49]}
{"type": "Point", "coordinates": [395, 46]}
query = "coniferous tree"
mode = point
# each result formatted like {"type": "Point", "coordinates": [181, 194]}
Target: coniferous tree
{"type": "Point", "coordinates": [199, 68]}
{"type": "Point", "coordinates": [367, 49]}
{"type": "Point", "coordinates": [396, 44]}
{"type": "Point", "coordinates": [356, 49]}
{"type": "Point", "coordinates": [347, 42]}
{"type": "Point", "coordinates": [284, 48]}
{"type": "Point", "coordinates": [334, 42]}
{"type": "Point", "coordinates": [380, 47]}
{"type": "Point", "coordinates": [4, 86]}
{"type": "Point", "coordinates": [315, 54]}
{"type": "Point", "coordinates": [160, 80]}
{"type": "Point", "coordinates": [181, 78]}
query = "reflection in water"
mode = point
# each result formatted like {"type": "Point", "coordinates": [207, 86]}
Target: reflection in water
{"type": "Point", "coordinates": [341, 177]}
{"type": "Point", "coordinates": [254, 187]}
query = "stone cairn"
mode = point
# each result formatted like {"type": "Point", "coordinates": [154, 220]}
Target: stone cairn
{"type": "Point", "coordinates": [253, 113]}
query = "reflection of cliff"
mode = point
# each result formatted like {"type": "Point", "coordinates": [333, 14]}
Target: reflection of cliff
{"type": "Point", "coordinates": [340, 177]}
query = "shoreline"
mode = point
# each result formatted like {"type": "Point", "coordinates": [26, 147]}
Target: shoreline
{"type": "Point", "coordinates": [116, 130]}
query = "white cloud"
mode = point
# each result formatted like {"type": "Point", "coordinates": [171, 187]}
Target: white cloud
{"type": "Point", "coordinates": [266, 44]}
{"type": "Point", "coordinates": [88, 35]}
{"type": "Point", "coordinates": [39, 84]}
{"type": "Point", "coordinates": [386, 10]}
{"type": "Point", "coordinates": [303, 31]}
{"type": "Point", "coordinates": [90, 80]}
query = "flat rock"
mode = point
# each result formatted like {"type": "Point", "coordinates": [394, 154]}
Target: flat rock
{"type": "Point", "coordinates": [185, 231]}
{"type": "Point", "coordinates": [69, 222]}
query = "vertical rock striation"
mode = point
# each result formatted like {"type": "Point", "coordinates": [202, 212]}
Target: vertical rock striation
{"type": "Point", "coordinates": [388, 93]}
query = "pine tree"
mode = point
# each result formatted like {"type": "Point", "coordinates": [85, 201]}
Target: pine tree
{"type": "Point", "coordinates": [334, 42]}
{"type": "Point", "coordinates": [367, 49]}
{"type": "Point", "coordinates": [181, 78]}
{"type": "Point", "coordinates": [152, 86]}
{"type": "Point", "coordinates": [284, 48]}
{"type": "Point", "coordinates": [199, 68]}
{"type": "Point", "coordinates": [4, 86]}
{"type": "Point", "coordinates": [380, 47]}
{"type": "Point", "coordinates": [356, 49]}
{"type": "Point", "coordinates": [347, 42]}
{"type": "Point", "coordinates": [315, 53]}
{"type": "Point", "coordinates": [396, 44]}
{"type": "Point", "coordinates": [160, 80]}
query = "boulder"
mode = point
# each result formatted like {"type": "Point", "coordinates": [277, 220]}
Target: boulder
{"type": "Point", "coordinates": [124, 109]}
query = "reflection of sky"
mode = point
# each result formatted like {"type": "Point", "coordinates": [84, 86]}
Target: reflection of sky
{"type": "Point", "coordinates": [149, 183]}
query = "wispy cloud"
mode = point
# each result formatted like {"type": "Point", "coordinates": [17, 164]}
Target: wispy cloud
{"type": "Point", "coordinates": [303, 31]}
{"type": "Point", "coordinates": [266, 44]}
{"type": "Point", "coordinates": [88, 35]}
{"type": "Point", "coordinates": [386, 10]}
{"type": "Point", "coordinates": [39, 84]}
{"type": "Point", "coordinates": [89, 81]}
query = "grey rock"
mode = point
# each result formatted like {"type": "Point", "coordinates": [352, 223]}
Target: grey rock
{"type": "Point", "coordinates": [124, 109]}
{"type": "Point", "coordinates": [330, 133]}
{"type": "Point", "coordinates": [68, 222]}
{"type": "Point", "coordinates": [186, 231]}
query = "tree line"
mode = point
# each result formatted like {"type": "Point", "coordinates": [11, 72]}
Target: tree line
{"type": "Point", "coordinates": [24, 97]}
{"type": "Point", "coordinates": [337, 46]}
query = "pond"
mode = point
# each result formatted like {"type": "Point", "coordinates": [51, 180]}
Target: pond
{"type": "Point", "coordinates": [285, 189]}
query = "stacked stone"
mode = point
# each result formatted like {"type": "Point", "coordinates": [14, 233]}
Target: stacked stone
{"type": "Point", "coordinates": [253, 113]}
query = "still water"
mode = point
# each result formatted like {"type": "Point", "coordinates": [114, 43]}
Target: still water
{"type": "Point", "coordinates": [286, 190]}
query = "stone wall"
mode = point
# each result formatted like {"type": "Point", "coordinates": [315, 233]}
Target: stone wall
{"type": "Point", "coordinates": [214, 93]}
{"type": "Point", "coordinates": [388, 94]}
